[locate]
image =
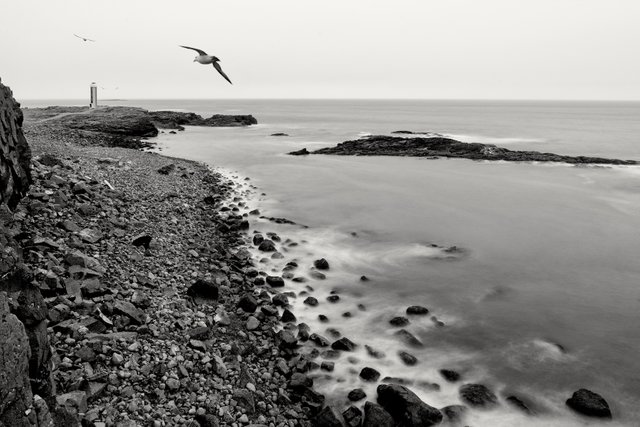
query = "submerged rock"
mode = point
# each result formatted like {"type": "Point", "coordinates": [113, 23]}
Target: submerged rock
{"type": "Point", "coordinates": [302, 152]}
{"type": "Point", "coordinates": [588, 403]}
{"type": "Point", "coordinates": [478, 395]}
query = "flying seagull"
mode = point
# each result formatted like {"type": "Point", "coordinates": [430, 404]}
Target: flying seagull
{"type": "Point", "coordinates": [83, 38]}
{"type": "Point", "coordinates": [205, 59]}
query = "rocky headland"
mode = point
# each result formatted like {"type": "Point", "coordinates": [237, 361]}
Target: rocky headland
{"type": "Point", "coordinates": [130, 295]}
{"type": "Point", "coordinates": [438, 146]}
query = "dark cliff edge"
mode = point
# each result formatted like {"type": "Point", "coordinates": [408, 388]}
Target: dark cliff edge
{"type": "Point", "coordinates": [25, 377]}
{"type": "Point", "coordinates": [382, 145]}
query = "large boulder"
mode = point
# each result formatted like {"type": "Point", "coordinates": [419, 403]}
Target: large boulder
{"type": "Point", "coordinates": [589, 403]}
{"type": "Point", "coordinates": [15, 391]}
{"type": "Point", "coordinates": [405, 407]}
{"type": "Point", "coordinates": [15, 154]}
{"type": "Point", "coordinates": [376, 416]}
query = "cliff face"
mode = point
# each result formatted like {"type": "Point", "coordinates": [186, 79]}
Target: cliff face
{"type": "Point", "coordinates": [24, 349]}
{"type": "Point", "coordinates": [15, 156]}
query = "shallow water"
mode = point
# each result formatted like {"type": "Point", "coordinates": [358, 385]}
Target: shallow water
{"type": "Point", "coordinates": [543, 299]}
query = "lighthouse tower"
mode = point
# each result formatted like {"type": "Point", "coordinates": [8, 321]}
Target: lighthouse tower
{"type": "Point", "coordinates": [94, 95]}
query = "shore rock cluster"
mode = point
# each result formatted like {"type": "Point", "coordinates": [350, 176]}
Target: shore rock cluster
{"type": "Point", "coordinates": [437, 146]}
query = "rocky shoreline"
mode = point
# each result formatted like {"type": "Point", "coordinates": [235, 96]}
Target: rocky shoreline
{"type": "Point", "coordinates": [140, 274]}
{"type": "Point", "coordinates": [438, 146]}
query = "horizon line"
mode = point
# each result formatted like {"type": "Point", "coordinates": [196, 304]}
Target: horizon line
{"type": "Point", "coordinates": [345, 99]}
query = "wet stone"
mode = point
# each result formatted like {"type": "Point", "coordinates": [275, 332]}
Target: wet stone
{"type": "Point", "coordinates": [417, 310]}
{"type": "Point", "coordinates": [356, 394]}
{"type": "Point", "coordinates": [369, 374]}
{"type": "Point", "coordinates": [399, 321]}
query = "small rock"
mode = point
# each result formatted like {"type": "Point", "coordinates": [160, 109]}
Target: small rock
{"type": "Point", "coordinates": [369, 374]}
{"type": "Point", "coordinates": [399, 321]}
{"type": "Point", "coordinates": [321, 264]}
{"type": "Point", "coordinates": [478, 395]}
{"type": "Point", "coordinates": [356, 394]}
{"type": "Point", "coordinates": [417, 310]}
{"type": "Point", "coordinates": [589, 403]}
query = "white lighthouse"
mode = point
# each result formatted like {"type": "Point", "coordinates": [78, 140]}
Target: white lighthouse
{"type": "Point", "coordinates": [94, 95]}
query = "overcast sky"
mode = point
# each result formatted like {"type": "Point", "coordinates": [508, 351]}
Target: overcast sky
{"type": "Point", "coordinates": [465, 49]}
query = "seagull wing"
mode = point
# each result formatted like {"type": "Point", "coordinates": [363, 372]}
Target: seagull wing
{"type": "Point", "coordinates": [200, 52]}
{"type": "Point", "coordinates": [217, 67]}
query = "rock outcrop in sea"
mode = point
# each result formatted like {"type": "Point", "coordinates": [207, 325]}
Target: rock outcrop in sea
{"type": "Point", "coordinates": [437, 146]}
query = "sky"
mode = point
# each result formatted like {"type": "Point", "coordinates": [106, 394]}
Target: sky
{"type": "Point", "coordinates": [424, 49]}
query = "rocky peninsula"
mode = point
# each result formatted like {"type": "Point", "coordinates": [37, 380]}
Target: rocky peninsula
{"type": "Point", "coordinates": [438, 146]}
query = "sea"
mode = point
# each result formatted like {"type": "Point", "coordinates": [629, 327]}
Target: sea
{"type": "Point", "coordinates": [530, 271]}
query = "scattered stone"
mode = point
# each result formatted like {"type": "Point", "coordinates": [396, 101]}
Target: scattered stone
{"type": "Point", "coordinates": [589, 403]}
{"type": "Point", "coordinates": [409, 339]}
{"type": "Point", "coordinates": [369, 374]}
{"type": "Point", "coordinates": [343, 344]}
{"type": "Point", "coordinates": [407, 358]}
{"type": "Point", "coordinates": [275, 281]}
{"type": "Point", "coordinates": [450, 375]}
{"type": "Point", "coordinates": [203, 289]}
{"type": "Point", "coordinates": [478, 395]}
{"type": "Point", "coordinates": [321, 264]}
{"type": "Point", "coordinates": [267, 246]}
{"type": "Point", "coordinates": [417, 310]}
{"type": "Point", "coordinates": [352, 416]}
{"type": "Point", "coordinates": [311, 301]}
{"type": "Point", "coordinates": [517, 403]}
{"type": "Point", "coordinates": [356, 394]}
{"type": "Point", "coordinates": [399, 321]}
{"type": "Point", "coordinates": [248, 303]}
{"type": "Point", "coordinates": [252, 323]}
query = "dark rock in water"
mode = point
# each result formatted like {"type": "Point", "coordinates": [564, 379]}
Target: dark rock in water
{"type": "Point", "coordinates": [317, 275]}
{"type": "Point", "coordinates": [279, 134]}
{"type": "Point", "coordinates": [399, 321]}
{"type": "Point", "coordinates": [454, 413]}
{"type": "Point", "coordinates": [376, 416]}
{"type": "Point", "coordinates": [352, 416]}
{"type": "Point", "coordinates": [409, 338]}
{"type": "Point", "coordinates": [323, 318]}
{"type": "Point", "coordinates": [248, 303]}
{"type": "Point", "coordinates": [478, 395]}
{"type": "Point", "coordinates": [327, 418]}
{"type": "Point", "coordinates": [142, 240]}
{"type": "Point", "coordinates": [344, 344]}
{"type": "Point", "coordinates": [288, 316]}
{"type": "Point", "coordinates": [383, 145]}
{"type": "Point", "coordinates": [267, 246]}
{"type": "Point", "coordinates": [319, 340]}
{"type": "Point", "coordinates": [449, 375]}
{"type": "Point", "coordinates": [327, 366]}
{"type": "Point", "coordinates": [516, 402]}
{"type": "Point", "coordinates": [589, 403]}
{"type": "Point", "coordinates": [407, 408]}
{"type": "Point", "coordinates": [321, 264]}
{"type": "Point", "coordinates": [275, 281]}
{"type": "Point", "coordinates": [311, 301]}
{"type": "Point", "coordinates": [167, 169]}
{"type": "Point", "coordinates": [203, 289]}
{"type": "Point", "coordinates": [364, 279]}
{"type": "Point", "coordinates": [369, 374]}
{"type": "Point", "coordinates": [417, 310]}
{"type": "Point", "coordinates": [356, 394]}
{"type": "Point", "coordinates": [176, 120]}
{"type": "Point", "coordinates": [376, 354]}
{"type": "Point", "coordinates": [257, 239]}
{"type": "Point", "coordinates": [302, 152]}
{"type": "Point", "coordinates": [333, 298]}
{"type": "Point", "coordinates": [407, 358]}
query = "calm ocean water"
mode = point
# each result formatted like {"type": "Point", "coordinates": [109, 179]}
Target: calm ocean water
{"type": "Point", "coordinates": [545, 296]}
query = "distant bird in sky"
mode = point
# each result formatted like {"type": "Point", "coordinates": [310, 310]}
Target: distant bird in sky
{"type": "Point", "coordinates": [83, 38]}
{"type": "Point", "coordinates": [205, 59]}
